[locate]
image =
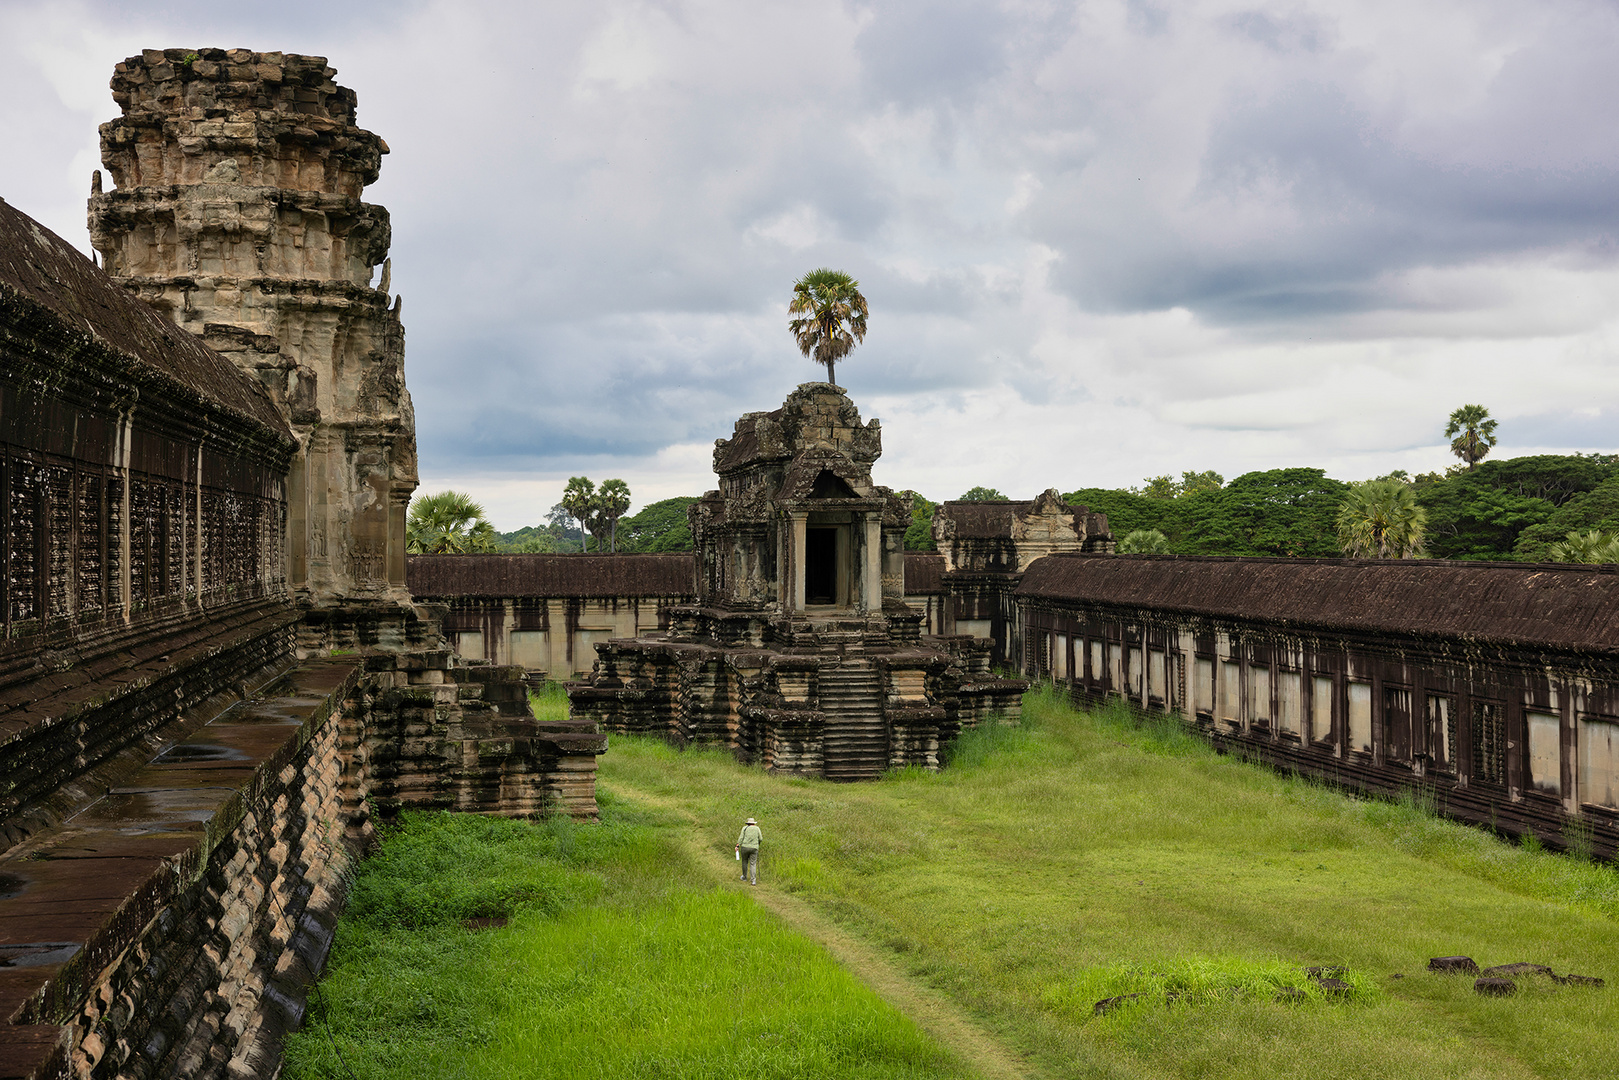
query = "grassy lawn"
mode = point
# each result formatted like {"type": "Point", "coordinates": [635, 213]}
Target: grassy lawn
{"type": "Point", "coordinates": [1083, 857]}
{"type": "Point", "coordinates": [619, 959]}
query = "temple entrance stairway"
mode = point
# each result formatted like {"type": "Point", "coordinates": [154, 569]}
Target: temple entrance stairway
{"type": "Point", "coordinates": [855, 737]}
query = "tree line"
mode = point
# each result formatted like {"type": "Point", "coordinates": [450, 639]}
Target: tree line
{"type": "Point", "coordinates": [1541, 508]}
{"type": "Point", "coordinates": [587, 518]}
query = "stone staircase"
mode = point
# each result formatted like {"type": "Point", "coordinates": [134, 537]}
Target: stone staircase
{"type": "Point", "coordinates": [855, 737]}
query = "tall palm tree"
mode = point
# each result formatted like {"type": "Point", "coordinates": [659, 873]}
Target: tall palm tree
{"type": "Point", "coordinates": [1591, 546]}
{"type": "Point", "coordinates": [447, 523]}
{"type": "Point", "coordinates": [611, 501]}
{"type": "Point", "coordinates": [576, 499]}
{"type": "Point", "coordinates": [1380, 519]}
{"type": "Point", "coordinates": [832, 317]}
{"type": "Point", "coordinates": [1473, 431]}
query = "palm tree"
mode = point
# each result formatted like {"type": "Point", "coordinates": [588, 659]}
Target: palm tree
{"type": "Point", "coordinates": [1474, 433]}
{"type": "Point", "coordinates": [833, 316]}
{"type": "Point", "coordinates": [1591, 546]}
{"type": "Point", "coordinates": [447, 523]}
{"type": "Point", "coordinates": [576, 499]}
{"type": "Point", "coordinates": [1380, 519]}
{"type": "Point", "coordinates": [1144, 542]}
{"type": "Point", "coordinates": [611, 501]}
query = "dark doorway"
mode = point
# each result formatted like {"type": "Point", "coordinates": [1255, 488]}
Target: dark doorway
{"type": "Point", "coordinates": [820, 566]}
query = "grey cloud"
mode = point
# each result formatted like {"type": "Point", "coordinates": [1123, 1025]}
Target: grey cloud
{"type": "Point", "coordinates": [921, 52]}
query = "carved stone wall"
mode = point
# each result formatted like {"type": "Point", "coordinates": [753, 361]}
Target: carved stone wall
{"type": "Point", "coordinates": [238, 212]}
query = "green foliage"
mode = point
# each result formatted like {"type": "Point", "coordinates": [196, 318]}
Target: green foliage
{"type": "Point", "coordinates": [1591, 546]}
{"type": "Point", "coordinates": [1158, 487]}
{"type": "Point", "coordinates": [447, 523]}
{"type": "Point", "coordinates": [1597, 508]}
{"type": "Point", "coordinates": [620, 960]}
{"type": "Point", "coordinates": [1277, 512]}
{"type": "Point", "coordinates": [832, 316]}
{"type": "Point", "coordinates": [1474, 433]}
{"type": "Point", "coordinates": [659, 527]}
{"type": "Point", "coordinates": [981, 494]}
{"type": "Point", "coordinates": [1287, 512]}
{"type": "Point", "coordinates": [1480, 513]}
{"type": "Point", "coordinates": [1144, 542]}
{"type": "Point", "coordinates": [530, 540]}
{"type": "Point", "coordinates": [607, 505]}
{"type": "Point", "coordinates": [577, 499]}
{"type": "Point", "coordinates": [1380, 519]}
{"type": "Point", "coordinates": [1190, 483]}
{"type": "Point", "coordinates": [1196, 483]}
{"type": "Point", "coordinates": [1127, 512]}
{"type": "Point", "coordinates": [919, 534]}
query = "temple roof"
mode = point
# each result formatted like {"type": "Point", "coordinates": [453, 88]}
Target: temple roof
{"type": "Point", "coordinates": [551, 575]}
{"type": "Point", "coordinates": [1550, 605]}
{"type": "Point", "coordinates": [44, 274]}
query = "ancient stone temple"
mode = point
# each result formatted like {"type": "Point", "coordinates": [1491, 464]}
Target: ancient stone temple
{"type": "Point", "coordinates": [987, 546]}
{"type": "Point", "coordinates": [238, 212]}
{"type": "Point", "coordinates": [800, 652]}
{"type": "Point", "coordinates": [211, 674]}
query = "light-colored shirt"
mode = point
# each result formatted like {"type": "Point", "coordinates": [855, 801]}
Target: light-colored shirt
{"type": "Point", "coordinates": [750, 837]}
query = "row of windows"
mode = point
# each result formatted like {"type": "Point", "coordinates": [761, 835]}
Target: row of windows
{"type": "Point", "coordinates": [1302, 704]}
{"type": "Point", "coordinates": [63, 535]}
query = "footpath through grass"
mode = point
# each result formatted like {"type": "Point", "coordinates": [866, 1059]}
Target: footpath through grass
{"type": "Point", "coordinates": [1084, 856]}
{"type": "Point", "coordinates": [618, 960]}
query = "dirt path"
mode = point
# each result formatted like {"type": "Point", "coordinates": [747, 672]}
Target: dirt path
{"type": "Point", "coordinates": [932, 1011]}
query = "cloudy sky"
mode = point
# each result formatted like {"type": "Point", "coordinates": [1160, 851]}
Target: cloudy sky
{"type": "Point", "coordinates": [1101, 240]}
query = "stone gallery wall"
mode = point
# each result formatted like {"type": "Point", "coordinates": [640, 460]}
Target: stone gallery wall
{"type": "Point", "coordinates": [1491, 688]}
{"type": "Point", "coordinates": [547, 613]}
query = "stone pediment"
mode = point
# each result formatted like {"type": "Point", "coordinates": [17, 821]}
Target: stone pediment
{"type": "Point", "coordinates": [816, 417]}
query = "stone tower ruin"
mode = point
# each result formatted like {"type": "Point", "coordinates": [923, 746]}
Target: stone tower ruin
{"type": "Point", "coordinates": [238, 212]}
{"type": "Point", "coordinates": [800, 652]}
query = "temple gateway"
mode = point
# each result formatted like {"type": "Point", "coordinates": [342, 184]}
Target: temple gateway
{"type": "Point", "coordinates": [800, 652]}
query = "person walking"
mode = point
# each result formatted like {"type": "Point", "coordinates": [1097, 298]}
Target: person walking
{"type": "Point", "coordinates": [747, 850]}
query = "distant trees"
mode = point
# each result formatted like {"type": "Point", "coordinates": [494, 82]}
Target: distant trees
{"type": "Point", "coordinates": [981, 494]}
{"type": "Point", "coordinates": [1190, 483]}
{"type": "Point", "coordinates": [1380, 519]}
{"type": "Point", "coordinates": [1473, 431]}
{"type": "Point", "coordinates": [832, 316]}
{"type": "Point", "coordinates": [576, 499]}
{"type": "Point", "coordinates": [660, 527]}
{"type": "Point", "coordinates": [1144, 542]}
{"type": "Point", "coordinates": [596, 509]}
{"type": "Point", "coordinates": [1591, 546]}
{"type": "Point", "coordinates": [1275, 512]}
{"type": "Point", "coordinates": [919, 533]}
{"type": "Point", "coordinates": [447, 523]}
{"type": "Point", "coordinates": [610, 503]}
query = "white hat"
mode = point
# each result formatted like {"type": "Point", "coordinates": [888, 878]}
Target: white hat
{"type": "Point", "coordinates": [750, 821]}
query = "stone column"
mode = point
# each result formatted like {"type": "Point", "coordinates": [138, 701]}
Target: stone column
{"type": "Point", "coordinates": [871, 564]}
{"type": "Point", "coordinates": [795, 558]}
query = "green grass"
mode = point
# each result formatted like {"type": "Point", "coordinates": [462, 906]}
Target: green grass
{"type": "Point", "coordinates": [1090, 855]}
{"type": "Point", "coordinates": [617, 961]}
{"type": "Point", "coordinates": [550, 702]}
